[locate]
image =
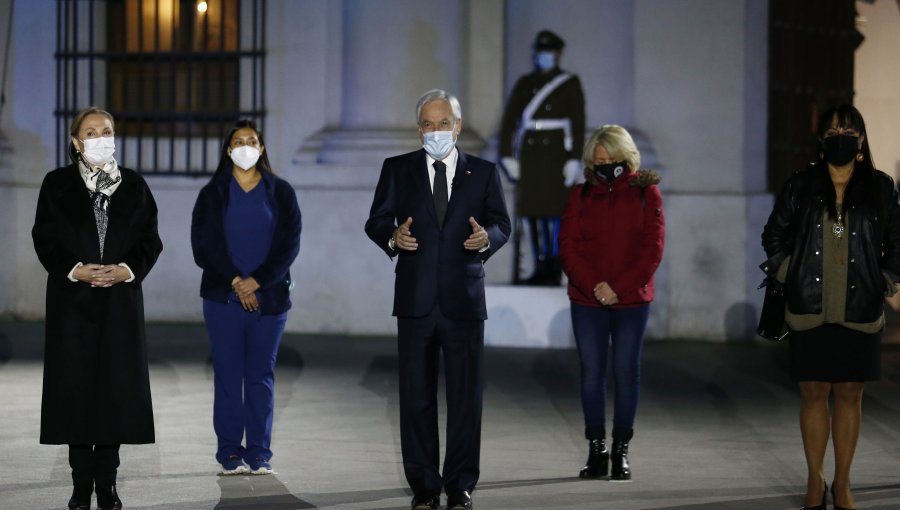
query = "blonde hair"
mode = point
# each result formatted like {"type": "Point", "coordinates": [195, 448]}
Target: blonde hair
{"type": "Point", "coordinates": [617, 142]}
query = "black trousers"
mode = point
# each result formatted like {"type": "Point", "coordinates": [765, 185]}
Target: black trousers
{"type": "Point", "coordinates": [420, 343]}
{"type": "Point", "coordinates": [94, 464]}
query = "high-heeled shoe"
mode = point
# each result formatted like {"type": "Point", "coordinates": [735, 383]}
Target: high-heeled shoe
{"type": "Point", "coordinates": [834, 500]}
{"type": "Point", "coordinates": [824, 504]}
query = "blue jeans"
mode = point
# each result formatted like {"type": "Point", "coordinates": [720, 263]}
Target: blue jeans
{"type": "Point", "coordinates": [595, 329]}
{"type": "Point", "coordinates": [244, 346]}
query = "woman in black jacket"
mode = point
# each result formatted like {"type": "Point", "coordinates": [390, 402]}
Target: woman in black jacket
{"type": "Point", "coordinates": [833, 239]}
{"type": "Point", "coordinates": [245, 234]}
{"type": "Point", "coordinates": [95, 233]}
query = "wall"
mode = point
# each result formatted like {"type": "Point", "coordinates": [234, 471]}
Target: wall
{"type": "Point", "coordinates": [689, 74]}
{"type": "Point", "coordinates": [877, 76]}
{"type": "Point", "coordinates": [700, 86]}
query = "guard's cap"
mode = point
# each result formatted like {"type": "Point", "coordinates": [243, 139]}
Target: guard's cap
{"type": "Point", "coordinates": [547, 40]}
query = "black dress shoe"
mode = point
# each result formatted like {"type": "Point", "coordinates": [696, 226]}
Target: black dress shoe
{"type": "Point", "coordinates": [108, 498]}
{"type": "Point", "coordinates": [598, 460]}
{"type": "Point", "coordinates": [425, 502]}
{"type": "Point", "coordinates": [459, 500]}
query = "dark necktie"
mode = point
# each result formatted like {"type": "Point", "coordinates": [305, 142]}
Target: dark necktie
{"type": "Point", "coordinates": [439, 193]}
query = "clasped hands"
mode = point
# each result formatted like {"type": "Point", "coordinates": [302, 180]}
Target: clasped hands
{"type": "Point", "coordinates": [101, 275]}
{"type": "Point", "coordinates": [604, 294]}
{"type": "Point", "coordinates": [403, 239]}
{"type": "Point", "coordinates": [245, 289]}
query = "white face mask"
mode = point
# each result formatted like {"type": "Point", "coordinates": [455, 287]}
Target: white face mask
{"type": "Point", "coordinates": [98, 151]}
{"type": "Point", "coordinates": [438, 144]}
{"type": "Point", "coordinates": [245, 157]}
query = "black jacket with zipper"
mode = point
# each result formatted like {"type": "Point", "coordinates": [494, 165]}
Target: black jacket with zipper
{"type": "Point", "coordinates": [795, 229]}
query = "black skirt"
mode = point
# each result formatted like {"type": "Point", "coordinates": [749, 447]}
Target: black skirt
{"type": "Point", "coordinates": [833, 353]}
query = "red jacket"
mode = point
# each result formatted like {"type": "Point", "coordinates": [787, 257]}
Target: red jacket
{"type": "Point", "coordinates": [613, 234]}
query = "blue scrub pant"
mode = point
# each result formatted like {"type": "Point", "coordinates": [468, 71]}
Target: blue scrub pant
{"type": "Point", "coordinates": [244, 347]}
{"type": "Point", "coordinates": [595, 329]}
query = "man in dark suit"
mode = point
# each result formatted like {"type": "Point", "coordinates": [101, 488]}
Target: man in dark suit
{"type": "Point", "coordinates": [442, 213]}
{"type": "Point", "coordinates": [541, 139]}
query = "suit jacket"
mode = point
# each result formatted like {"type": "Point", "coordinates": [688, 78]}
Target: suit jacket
{"type": "Point", "coordinates": [441, 272]}
{"type": "Point", "coordinates": [96, 383]}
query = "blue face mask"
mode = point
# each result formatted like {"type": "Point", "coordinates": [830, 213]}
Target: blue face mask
{"type": "Point", "coordinates": [438, 144]}
{"type": "Point", "coordinates": [545, 60]}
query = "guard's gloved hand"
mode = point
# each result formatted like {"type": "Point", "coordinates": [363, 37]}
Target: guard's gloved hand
{"type": "Point", "coordinates": [511, 167]}
{"type": "Point", "coordinates": [573, 172]}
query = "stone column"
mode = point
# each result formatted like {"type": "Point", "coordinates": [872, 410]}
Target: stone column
{"type": "Point", "coordinates": [392, 51]}
{"type": "Point", "coordinates": [700, 95]}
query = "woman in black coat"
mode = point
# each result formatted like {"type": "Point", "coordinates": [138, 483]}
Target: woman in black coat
{"type": "Point", "coordinates": [95, 234]}
{"type": "Point", "coordinates": [833, 239]}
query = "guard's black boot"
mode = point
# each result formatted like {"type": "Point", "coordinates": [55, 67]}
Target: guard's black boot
{"type": "Point", "coordinates": [621, 471]}
{"type": "Point", "coordinates": [598, 460]}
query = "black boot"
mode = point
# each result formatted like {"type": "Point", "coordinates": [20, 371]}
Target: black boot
{"type": "Point", "coordinates": [83, 488]}
{"type": "Point", "coordinates": [621, 471]}
{"type": "Point", "coordinates": [598, 460]}
{"type": "Point", "coordinates": [107, 496]}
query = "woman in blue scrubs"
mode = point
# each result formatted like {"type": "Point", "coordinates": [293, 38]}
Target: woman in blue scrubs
{"type": "Point", "coordinates": [245, 233]}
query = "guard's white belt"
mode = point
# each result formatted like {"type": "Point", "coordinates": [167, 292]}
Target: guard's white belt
{"type": "Point", "coordinates": [551, 124]}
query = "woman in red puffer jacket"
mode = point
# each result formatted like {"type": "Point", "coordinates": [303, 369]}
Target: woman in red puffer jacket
{"type": "Point", "coordinates": [610, 244]}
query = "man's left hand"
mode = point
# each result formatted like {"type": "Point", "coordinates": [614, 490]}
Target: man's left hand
{"type": "Point", "coordinates": [479, 238]}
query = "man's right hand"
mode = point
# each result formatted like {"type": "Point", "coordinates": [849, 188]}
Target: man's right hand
{"type": "Point", "coordinates": [403, 239]}
{"type": "Point", "coordinates": [511, 165]}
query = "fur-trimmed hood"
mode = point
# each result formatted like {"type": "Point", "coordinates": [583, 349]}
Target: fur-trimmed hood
{"type": "Point", "coordinates": [644, 178]}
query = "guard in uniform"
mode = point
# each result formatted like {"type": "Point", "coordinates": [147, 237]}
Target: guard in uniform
{"type": "Point", "coordinates": [541, 140]}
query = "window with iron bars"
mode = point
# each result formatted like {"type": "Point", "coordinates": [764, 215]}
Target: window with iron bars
{"type": "Point", "coordinates": [175, 74]}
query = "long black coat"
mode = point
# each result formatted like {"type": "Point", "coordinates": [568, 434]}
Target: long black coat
{"type": "Point", "coordinates": [541, 189]}
{"type": "Point", "coordinates": [96, 383]}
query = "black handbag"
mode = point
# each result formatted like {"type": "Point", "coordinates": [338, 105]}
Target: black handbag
{"type": "Point", "coordinates": [771, 318]}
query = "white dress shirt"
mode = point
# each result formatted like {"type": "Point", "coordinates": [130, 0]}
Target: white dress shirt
{"type": "Point", "coordinates": [450, 161]}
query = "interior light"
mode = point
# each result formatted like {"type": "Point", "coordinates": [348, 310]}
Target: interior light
{"type": "Point", "coordinates": [202, 6]}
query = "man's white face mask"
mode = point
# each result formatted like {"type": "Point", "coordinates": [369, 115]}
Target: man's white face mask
{"type": "Point", "coordinates": [438, 144]}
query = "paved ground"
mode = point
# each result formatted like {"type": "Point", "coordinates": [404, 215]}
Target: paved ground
{"type": "Point", "coordinates": [717, 429]}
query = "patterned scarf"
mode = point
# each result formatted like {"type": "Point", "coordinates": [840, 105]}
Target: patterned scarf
{"type": "Point", "coordinates": [101, 182]}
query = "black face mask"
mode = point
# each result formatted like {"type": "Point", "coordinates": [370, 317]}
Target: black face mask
{"type": "Point", "coordinates": [610, 171]}
{"type": "Point", "coordinates": [840, 149]}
